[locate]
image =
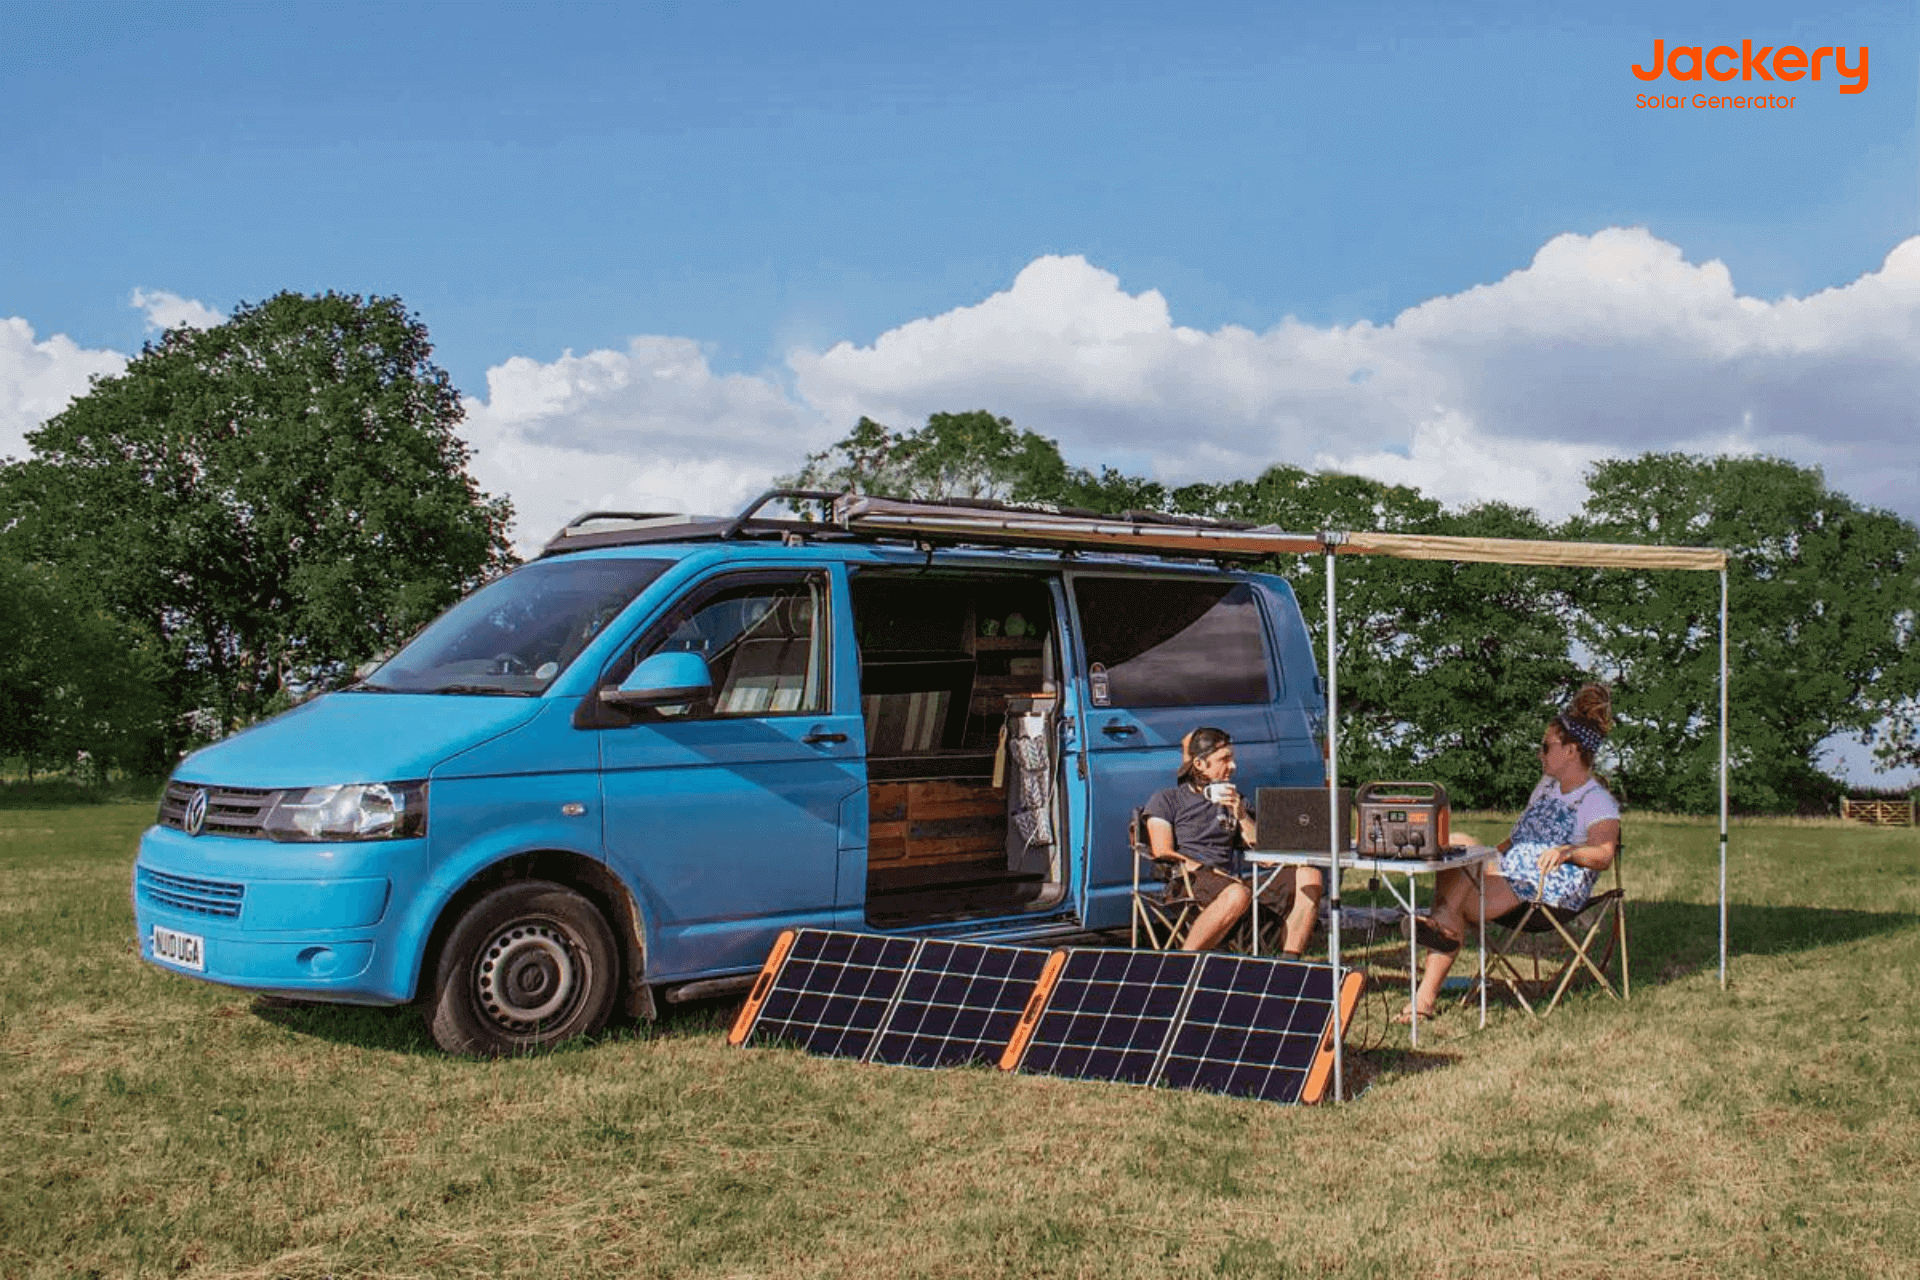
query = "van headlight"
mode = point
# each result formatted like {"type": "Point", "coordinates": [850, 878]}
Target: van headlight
{"type": "Point", "coordinates": [356, 811]}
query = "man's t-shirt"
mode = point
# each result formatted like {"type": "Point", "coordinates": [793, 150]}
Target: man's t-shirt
{"type": "Point", "coordinates": [1202, 830]}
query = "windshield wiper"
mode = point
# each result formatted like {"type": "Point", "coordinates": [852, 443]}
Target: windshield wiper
{"type": "Point", "coordinates": [491, 689]}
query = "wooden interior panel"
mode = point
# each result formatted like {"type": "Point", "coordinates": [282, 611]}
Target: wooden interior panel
{"type": "Point", "coordinates": [886, 821]}
{"type": "Point", "coordinates": [932, 800]}
{"type": "Point", "coordinates": [935, 821]}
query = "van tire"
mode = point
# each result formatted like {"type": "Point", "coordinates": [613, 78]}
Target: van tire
{"type": "Point", "coordinates": [527, 966]}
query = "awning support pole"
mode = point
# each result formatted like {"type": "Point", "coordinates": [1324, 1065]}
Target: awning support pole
{"type": "Point", "coordinates": [1336, 826]}
{"type": "Point", "coordinates": [1723, 778]}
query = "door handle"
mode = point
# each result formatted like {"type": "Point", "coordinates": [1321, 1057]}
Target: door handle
{"type": "Point", "coordinates": [1119, 729]}
{"type": "Point", "coordinates": [823, 735]}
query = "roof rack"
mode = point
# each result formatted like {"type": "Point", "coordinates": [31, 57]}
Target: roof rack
{"type": "Point", "coordinates": [945, 522]}
{"type": "Point", "coordinates": [1068, 529]}
{"type": "Point", "coordinates": [980, 522]}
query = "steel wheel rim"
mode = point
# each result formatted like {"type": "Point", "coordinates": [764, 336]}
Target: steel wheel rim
{"type": "Point", "coordinates": [528, 976]}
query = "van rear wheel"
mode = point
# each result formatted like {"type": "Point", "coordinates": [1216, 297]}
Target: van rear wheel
{"type": "Point", "coordinates": [527, 966]}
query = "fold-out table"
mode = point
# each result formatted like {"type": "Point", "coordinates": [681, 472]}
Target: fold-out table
{"type": "Point", "coordinates": [1265, 864]}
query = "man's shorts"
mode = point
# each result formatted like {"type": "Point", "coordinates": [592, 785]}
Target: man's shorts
{"type": "Point", "coordinates": [1276, 895]}
{"type": "Point", "coordinates": [1209, 883]}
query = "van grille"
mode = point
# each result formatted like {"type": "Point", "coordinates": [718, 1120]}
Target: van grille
{"type": "Point", "coordinates": [187, 893]}
{"type": "Point", "coordinates": [231, 811]}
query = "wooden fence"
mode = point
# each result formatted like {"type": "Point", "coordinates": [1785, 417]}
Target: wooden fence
{"type": "Point", "coordinates": [1881, 813]}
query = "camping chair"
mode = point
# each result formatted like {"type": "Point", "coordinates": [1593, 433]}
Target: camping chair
{"type": "Point", "coordinates": [1163, 901]}
{"type": "Point", "coordinates": [1545, 949]}
{"type": "Point", "coordinates": [1164, 905]}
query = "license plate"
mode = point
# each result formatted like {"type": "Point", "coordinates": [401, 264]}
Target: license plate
{"type": "Point", "coordinates": [185, 950]}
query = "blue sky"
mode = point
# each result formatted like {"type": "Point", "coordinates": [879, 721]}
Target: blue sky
{"type": "Point", "coordinates": [666, 249]}
{"type": "Point", "coordinates": [536, 178]}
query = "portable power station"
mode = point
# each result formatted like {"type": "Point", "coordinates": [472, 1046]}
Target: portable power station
{"type": "Point", "coordinates": [1402, 820]}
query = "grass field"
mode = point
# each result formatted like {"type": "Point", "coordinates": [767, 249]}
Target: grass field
{"type": "Point", "coordinates": [156, 1126]}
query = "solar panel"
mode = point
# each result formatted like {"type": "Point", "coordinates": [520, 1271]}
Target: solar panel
{"type": "Point", "coordinates": [1256, 1029]}
{"type": "Point", "coordinates": [959, 1004]}
{"type": "Point", "coordinates": [1106, 1015]}
{"type": "Point", "coordinates": [1229, 1024]}
{"type": "Point", "coordinates": [826, 992]}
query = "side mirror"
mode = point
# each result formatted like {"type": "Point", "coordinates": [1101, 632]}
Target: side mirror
{"type": "Point", "coordinates": [661, 680]}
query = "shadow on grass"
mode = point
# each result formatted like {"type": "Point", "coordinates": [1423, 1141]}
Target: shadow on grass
{"type": "Point", "coordinates": [401, 1029]}
{"type": "Point", "coordinates": [1668, 940]}
{"type": "Point", "coordinates": [1365, 1068]}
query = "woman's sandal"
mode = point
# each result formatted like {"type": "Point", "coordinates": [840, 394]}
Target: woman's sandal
{"type": "Point", "coordinates": [1413, 1012]}
{"type": "Point", "coordinates": [1427, 936]}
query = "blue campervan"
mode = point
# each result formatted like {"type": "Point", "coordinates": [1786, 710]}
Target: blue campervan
{"type": "Point", "coordinates": [614, 774]}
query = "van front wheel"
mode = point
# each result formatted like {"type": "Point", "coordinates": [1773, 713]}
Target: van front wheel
{"type": "Point", "coordinates": [527, 966]}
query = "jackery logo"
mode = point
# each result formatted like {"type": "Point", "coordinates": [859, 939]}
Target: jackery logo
{"type": "Point", "coordinates": [1788, 62]}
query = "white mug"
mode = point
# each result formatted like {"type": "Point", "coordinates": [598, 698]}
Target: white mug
{"type": "Point", "coordinates": [1222, 793]}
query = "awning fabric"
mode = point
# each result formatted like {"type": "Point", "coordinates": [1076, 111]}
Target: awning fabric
{"type": "Point", "coordinates": [1603, 555]}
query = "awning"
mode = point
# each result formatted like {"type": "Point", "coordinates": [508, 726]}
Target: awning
{"type": "Point", "coordinates": [1208, 538]}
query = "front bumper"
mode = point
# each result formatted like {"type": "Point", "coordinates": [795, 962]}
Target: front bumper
{"type": "Point", "coordinates": [311, 920]}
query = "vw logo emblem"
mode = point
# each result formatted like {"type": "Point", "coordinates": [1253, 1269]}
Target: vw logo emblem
{"type": "Point", "coordinates": [196, 814]}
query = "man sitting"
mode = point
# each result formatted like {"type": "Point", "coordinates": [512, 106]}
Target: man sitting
{"type": "Point", "coordinates": [1198, 823]}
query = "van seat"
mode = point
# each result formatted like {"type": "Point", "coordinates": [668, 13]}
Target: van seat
{"type": "Point", "coordinates": [767, 675]}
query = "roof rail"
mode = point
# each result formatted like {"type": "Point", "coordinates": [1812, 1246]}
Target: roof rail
{"type": "Point", "coordinates": [630, 517]}
{"type": "Point", "coordinates": [629, 528]}
{"type": "Point", "coordinates": [747, 515]}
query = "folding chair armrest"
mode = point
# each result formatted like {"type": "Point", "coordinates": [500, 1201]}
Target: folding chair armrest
{"type": "Point", "coordinates": [1166, 869]}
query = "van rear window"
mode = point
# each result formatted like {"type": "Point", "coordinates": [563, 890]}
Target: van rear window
{"type": "Point", "coordinates": [1171, 643]}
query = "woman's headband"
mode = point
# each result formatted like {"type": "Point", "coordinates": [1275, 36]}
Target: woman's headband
{"type": "Point", "coordinates": [1580, 731]}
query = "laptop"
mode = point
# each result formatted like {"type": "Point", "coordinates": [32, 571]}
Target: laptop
{"type": "Point", "coordinates": [1294, 819]}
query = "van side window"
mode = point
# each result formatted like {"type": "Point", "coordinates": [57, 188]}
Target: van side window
{"type": "Point", "coordinates": [1171, 643]}
{"type": "Point", "coordinates": [765, 643]}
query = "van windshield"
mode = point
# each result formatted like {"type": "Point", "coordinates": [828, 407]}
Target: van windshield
{"type": "Point", "coordinates": [514, 636]}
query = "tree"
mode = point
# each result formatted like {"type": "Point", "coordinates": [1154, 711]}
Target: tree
{"type": "Point", "coordinates": [956, 455]}
{"type": "Point", "coordinates": [1822, 597]}
{"type": "Point", "coordinates": [272, 500]}
{"type": "Point", "coordinates": [1111, 492]}
{"type": "Point", "coordinates": [73, 682]}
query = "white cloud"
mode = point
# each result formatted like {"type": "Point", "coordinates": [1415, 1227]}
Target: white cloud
{"type": "Point", "coordinates": [1066, 352]}
{"type": "Point", "coordinates": [40, 378]}
{"type": "Point", "coordinates": [171, 311]}
{"type": "Point", "coordinates": [1604, 345]}
{"type": "Point", "coordinates": [650, 428]}
{"type": "Point", "coordinates": [1475, 467]}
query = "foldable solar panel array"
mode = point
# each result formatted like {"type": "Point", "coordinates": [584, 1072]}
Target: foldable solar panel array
{"type": "Point", "coordinates": [1229, 1024]}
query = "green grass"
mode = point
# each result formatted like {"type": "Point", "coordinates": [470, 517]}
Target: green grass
{"type": "Point", "coordinates": [157, 1126]}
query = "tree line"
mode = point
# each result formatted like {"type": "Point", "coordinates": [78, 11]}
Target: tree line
{"type": "Point", "coordinates": [250, 511]}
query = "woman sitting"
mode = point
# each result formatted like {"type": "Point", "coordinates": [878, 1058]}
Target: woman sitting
{"type": "Point", "coordinates": [1186, 825]}
{"type": "Point", "coordinates": [1567, 836]}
